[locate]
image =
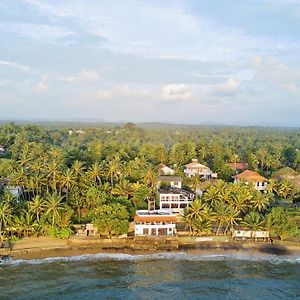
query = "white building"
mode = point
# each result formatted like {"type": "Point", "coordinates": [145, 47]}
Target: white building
{"type": "Point", "coordinates": [2, 149]}
{"type": "Point", "coordinates": [175, 199]}
{"type": "Point", "coordinates": [196, 169]}
{"type": "Point", "coordinates": [259, 182]}
{"type": "Point", "coordinates": [165, 170]}
{"type": "Point", "coordinates": [248, 234]}
{"type": "Point", "coordinates": [155, 223]}
{"type": "Point", "coordinates": [171, 181]}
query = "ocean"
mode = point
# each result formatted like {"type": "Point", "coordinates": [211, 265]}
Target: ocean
{"type": "Point", "coordinates": [154, 276]}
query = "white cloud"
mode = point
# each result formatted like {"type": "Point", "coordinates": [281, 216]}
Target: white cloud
{"type": "Point", "coordinates": [161, 29]}
{"type": "Point", "coordinates": [82, 76]}
{"type": "Point", "coordinates": [225, 89]}
{"type": "Point", "coordinates": [271, 69]}
{"type": "Point", "coordinates": [116, 93]}
{"type": "Point", "coordinates": [36, 31]}
{"type": "Point", "coordinates": [176, 92]}
{"type": "Point", "coordinates": [41, 87]}
{"type": "Point", "coordinates": [15, 65]}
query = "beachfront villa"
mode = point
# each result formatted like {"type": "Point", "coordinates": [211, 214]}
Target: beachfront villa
{"type": "Point", "coordinates": [196, 169]}
{"type": "Point", "coordinates": [170, 181]}
{"type": "Point", "coordinates": [250, 177]}
{"type": "Point", "coordinates": [249, 234]}
{"type": "Point", "coordinates": [155, 223]}
{"type": "Point", "coordinates": [175, 199]}
{"type": "Point", "coordinates": [165, 170]}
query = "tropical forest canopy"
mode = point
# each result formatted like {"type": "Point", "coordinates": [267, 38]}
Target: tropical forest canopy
{"type": "Point", "coordinates": [88, 174]}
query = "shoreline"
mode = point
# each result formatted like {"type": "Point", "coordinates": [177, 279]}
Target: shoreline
{"type": "Point", "coordinates": [44, 247]}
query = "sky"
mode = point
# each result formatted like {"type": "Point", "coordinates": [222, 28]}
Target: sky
{"type": "Point", "coordinates": [192, 61]}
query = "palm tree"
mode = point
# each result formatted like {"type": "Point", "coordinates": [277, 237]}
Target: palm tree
{"type": "Point", "coordinates": [202, 226]}
{"type": "Point", "coordinates": [149, 177]}
{"type": "Point", "coordinates": [254, 221]}
{"type": "Point", "coordinates": [53, 207]}
{"type": "Point", "coordinates": [285, 189]}
{"type": "Point", "coordinates": [94, 173]}
{"type": "Point", "coordinates": [68, 180]}
{"type": "Point", "coordinates": [195, 210]}
{"type": "Point", "coordinates": [113, 170]}
{"type": "Point", "coordinates": [123, 188]}
{"type": "Point", "coordinates": [78, 168]}
{"type": "Point", "coordinates": [221, 212]}
{"type": "Point", "coordinates": [232, 217]}
{"type": "Point", "coordinates": [259, 201]}
{"type": "Point", "coordinates": [211, 196]}
{"type": "Point", "coordinates": [5, 216]}
{"type": "Point", "coordinates": [53, 175]}
{"type": "Point", "coordinates": [272, 186]}
{"type": "Point", "coordinates": [240, 200]}
{"type": "Point", "coordinates": [27, 220]}
{"type": "Point", "coordinates": [37, 206]}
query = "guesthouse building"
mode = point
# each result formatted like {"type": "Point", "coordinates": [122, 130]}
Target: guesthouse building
{"type": "Point", "coordinates": [155, 223]}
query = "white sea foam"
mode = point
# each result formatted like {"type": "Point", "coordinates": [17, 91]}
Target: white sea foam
{"type": "Point", "coordinates": [182, 256]}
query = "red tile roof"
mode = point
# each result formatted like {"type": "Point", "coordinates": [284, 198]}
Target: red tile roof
{"type": "Point", "coordinates": [250, 176]}
{"type": "Point", "coordinates": [238, 166]}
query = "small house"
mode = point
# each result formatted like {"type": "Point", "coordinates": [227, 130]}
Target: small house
{"type": "Point", "coordinates": [196, 169]}
{"type": "Point", "coordinates": [249, 234]}
{"type": "Point", "coordinates": [250, 177]}
{"type": "Point", "coordinates": [172, 181]}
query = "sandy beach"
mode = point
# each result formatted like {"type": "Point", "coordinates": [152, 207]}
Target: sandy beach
{"type": "Point", "coordinates": [46, 247]}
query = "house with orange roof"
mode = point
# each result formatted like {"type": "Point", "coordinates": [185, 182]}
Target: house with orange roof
{"type": "Point", "coordinates": [250, 177]}
{"type": "Point", "coordinates": [155, 223]}
{"type": "Point", "coordinates": [196, 169]}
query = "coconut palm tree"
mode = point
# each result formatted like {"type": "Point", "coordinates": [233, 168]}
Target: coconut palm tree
{"type": "Point", "coordinates": [202, 226]}
{"type": "Point", "coordinates": [149, 177]}
{"type": "Point", "coordinates": [259, 201]}
{"type": "Point", "coordinates": [114, 170]}
{"type": "Point", "coordinates": [240, 200]}
{"type": "Point", "coordinates": [232, 217]}
{"type": "Point", "coordinates": [68, 180]}
{"type": "Point", "coordinates": [254, 221]}
{"type": "Point", "coordinates": [195, 210]}
{"type": "Point", "coordinates": [123, 188]}
{"type": "Point", "coordinates": [5, 216]}
{"type": "Point", "coordinates": [78, 169]}
{"type": "Point", "coordinates": [37, 206]}
{"type": "Point", "coordinates": [211, 196]}
{"type": "Point", "coordinates": [284, 189]}
{"type": "Point", "coordinates": [53, 175]}
{"type": "Point", "coordinates": [53, 207]}
{"type": "Point", "coordinates": [220, 212]}
{"type": "Point", "coordinates": [272, 186]}
{"type": "Point", "coordinates": [94, 173]}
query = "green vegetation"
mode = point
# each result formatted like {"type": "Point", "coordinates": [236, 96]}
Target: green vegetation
{"type": "Point", "coordinates": [105, 174]}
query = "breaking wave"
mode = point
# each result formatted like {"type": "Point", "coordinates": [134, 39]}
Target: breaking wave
{"type": "Point", "coordinates": [157, 256]}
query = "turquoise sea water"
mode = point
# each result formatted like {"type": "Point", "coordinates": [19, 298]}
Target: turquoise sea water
{"type": "Point", "coordinates": [156, 276]}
